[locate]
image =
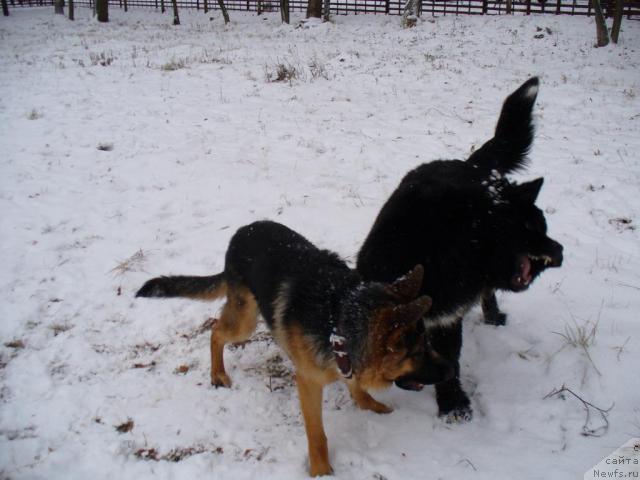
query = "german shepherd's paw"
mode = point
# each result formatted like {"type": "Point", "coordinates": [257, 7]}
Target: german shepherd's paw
{"type": "Point", "coordinates": [379, 407]}
{"type": "Point", "coordinates": [457, 415]}
{"type": "Point", "coordinates": [220, 379]}
{"type": "Point", "coordinates": [321, 470]}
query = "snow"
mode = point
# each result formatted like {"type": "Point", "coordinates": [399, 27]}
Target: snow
{"type": "Point", "coordinates": [196, 143]}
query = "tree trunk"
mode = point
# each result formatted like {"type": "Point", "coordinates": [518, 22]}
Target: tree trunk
{"type": "Point", "coordinates": [601, 24]}
{"type": "Point", "coordinates": [5, 8]}
{"type": "Point", "coordinates": [71, 12]}
{"type": "Point", "coordinates": [102, 9]}
{"type": "Point", "coordinates": [176, 17]}
{"type": "Point", "coordinates": [327, 10]}
{"type": "Point", "coordinates": [617, 21]}
{"type": "Point", "coordinates": [409, 17]}
{"type": "Point", "coordinates": [284, 10]}
{"type": "Point", "coordinates": [225, 14]}
{"type": "Point", "coordinates": [58, 6]}
{"type": "Point", "coordinates": [314, 9]}
{"type": "Point", "coordinates": [509, 6]}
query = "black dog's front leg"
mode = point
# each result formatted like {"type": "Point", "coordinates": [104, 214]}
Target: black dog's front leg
{"type": "Point", "coordinates": [453, 403]}
{"type": "Point", "coordinates": [492, 314]}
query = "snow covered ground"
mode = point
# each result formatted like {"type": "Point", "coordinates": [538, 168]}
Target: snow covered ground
{"type": "Point", "coordinates": [136, 148]}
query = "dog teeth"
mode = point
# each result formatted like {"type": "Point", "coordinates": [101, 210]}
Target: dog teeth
{"type": "Point", "coordinates": [544, 258]}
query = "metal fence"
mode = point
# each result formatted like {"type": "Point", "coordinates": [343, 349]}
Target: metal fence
{"type": "Point", "coordinates": [388, 7]}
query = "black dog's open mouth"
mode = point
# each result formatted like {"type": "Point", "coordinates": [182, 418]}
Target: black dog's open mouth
{"type": "Point", "coordinates": [528, 267]}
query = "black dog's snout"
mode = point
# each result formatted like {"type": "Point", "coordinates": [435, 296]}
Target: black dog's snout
{"type": "Point", "coordinates": [557, 255]}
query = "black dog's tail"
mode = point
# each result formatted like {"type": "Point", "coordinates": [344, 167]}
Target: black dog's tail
{"type": "Point", "coordinates": [201, 288]}
{"type": "Point", "coordinates": [507, 150]}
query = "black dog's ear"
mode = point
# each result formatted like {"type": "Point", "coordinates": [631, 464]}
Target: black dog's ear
{"type": "Point", "coordinates": [408, 286]}
{"type": "Point", "coordinates": [528, 192]}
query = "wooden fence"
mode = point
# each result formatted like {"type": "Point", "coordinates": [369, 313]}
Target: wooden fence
{"type": "Point", "coordinates": [388, 7]}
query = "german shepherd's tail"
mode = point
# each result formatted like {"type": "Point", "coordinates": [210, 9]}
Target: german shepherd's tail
{"type": "Point", "coordinates": [200, 288]}
{"type": "Point", "coordinates": [507, 150]}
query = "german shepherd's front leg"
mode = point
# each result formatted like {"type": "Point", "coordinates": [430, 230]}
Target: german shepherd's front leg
{"type": "Point", "coordinates": [310, 393]}
{"type": "Point", "coordinates": [366, 401]}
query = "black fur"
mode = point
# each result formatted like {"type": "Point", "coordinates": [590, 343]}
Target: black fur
{"type": "Point", "coordinates": [180, 286]}
{"type": "Point", "coordinates": [472, 229]}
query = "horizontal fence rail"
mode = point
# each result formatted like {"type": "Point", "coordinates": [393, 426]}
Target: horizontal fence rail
{"type": "Point", "coordinates": [631, 8]}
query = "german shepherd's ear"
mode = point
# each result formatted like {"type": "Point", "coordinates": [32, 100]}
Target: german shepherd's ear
{"type": "Point", "coordinates": [408, 286]}
{"type": "Point", "coordinates": [527, 192]}
{"type": "Point", "coordinates": [413, 311]}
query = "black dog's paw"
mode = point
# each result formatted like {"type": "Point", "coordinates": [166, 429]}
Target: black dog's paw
{"type": "Point", "coordinates": [453, 403]}
{"type": "Point", "coordinates": [461, 414]}
{"type": "Point", "coordinates": [498, 319]}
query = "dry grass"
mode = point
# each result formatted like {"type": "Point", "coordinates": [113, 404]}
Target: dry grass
{"type": "Point", "coordinates": [175, 455]}
{"type": "Point", "coordinates": [125, 427]}
{"type": "Point", "coordinates": [131, 264]}
{"type": "Point", "coordinates": [581, 336]}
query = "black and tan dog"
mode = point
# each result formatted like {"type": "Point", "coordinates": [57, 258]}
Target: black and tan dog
{"type": "Point", "coordinates": [331, 324]}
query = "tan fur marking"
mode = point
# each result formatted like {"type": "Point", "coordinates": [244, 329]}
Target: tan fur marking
{"type": "Point", "coordinates": [280, 304]}
{"type": "Point", "coordinates": [311, 379]}
{"type": "Point", "coordinates": [310, 393]}
{"type": "Point", "coordinates": [303, 356]}
{"type": "Point", "coordinates": [237, 322]}
{"type": "Point", "coordinates": [383, 364]}
{"type": "Point", "coordinates": [366, 401]}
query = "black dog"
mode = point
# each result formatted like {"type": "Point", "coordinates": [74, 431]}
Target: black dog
{"type": "Point", "coordinates": [472, 229]}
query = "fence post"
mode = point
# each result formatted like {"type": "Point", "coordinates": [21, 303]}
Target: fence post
{"type": "Point", "coordinates": [485, 6]}
{"type": "Point", "coordinates": [528, 7]}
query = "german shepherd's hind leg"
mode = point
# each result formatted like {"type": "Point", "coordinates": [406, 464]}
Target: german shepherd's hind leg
{"type": "Point", "coordinates": [364, 400]}
{"type": "Point", "coordinates": [310, 392]}
{"type": "Point", "coordinates": [490, 309]}
{"type": "Point", "coordinates": [237, 322]}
